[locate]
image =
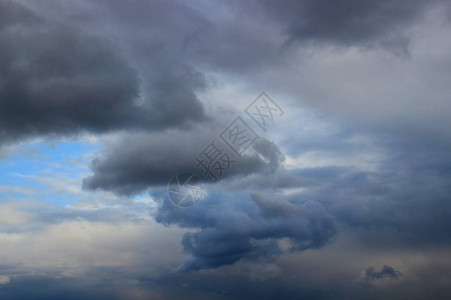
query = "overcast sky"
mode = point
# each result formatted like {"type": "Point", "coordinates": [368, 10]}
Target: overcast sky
{"type": "Point", "coordinates": [341, 188]}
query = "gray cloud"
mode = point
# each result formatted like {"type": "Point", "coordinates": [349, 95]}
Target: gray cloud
{"type": "Point", "coordinates": [398, 204]}
{"type": "Point", "coordinates": [57, 79]}
{"type": "Point", "coordinates": [149, 79]}
{"type": "Point", "coordinates": [367, 23]}
{"type": "Point", "coordinates": [234, 228]}
{"type": "Point", "coordinates": [385, 272]}
{"type": "Point", "coordinates": [136, 163]}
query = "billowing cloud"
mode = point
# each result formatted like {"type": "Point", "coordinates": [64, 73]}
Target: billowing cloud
{"type": "Point", "coordinates": [263, 227]}
{"type": "Point", "coordinates": [58, 79]}
{"type": "Point", "coordinates": [141, 161]}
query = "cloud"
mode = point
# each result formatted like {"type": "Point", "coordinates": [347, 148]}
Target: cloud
{"type": "Point", "coordinates": [386, 272]}
{"type": "Point", "coordinates": [389, 205]}
{"type": "Point", "coordinates": [368, 24]}
{"type": "Point", "coordinates": [58, 79]}
{"type": "Point", "coordinates": [235, 228]}
{"type": "Point", "coordinates": [138, 162]}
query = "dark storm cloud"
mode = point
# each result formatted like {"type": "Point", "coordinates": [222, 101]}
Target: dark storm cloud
{"type": "Point", "coordinates": [158, 37]}
{"type": "Point", "coordinates": [58, 80]}
{"type": "Point", "coordinates": [55, 79]}
{"type": "Point", "coordinates": [138, 162]}
{"type": "Point", "coordinates": [234, 228]}
{"type": "Point", "coordinates": [385, 272]}
{"type": "Point", "coordinates": [348, 23]}
{"type": "Point", "coordinates": [399, 203]}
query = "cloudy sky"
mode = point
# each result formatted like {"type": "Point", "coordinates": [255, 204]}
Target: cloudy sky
{"type": "Point", "coordinates": [341, 188]}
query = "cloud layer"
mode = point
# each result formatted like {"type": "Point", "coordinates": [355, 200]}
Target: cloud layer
{"type": "Point", "coordinates": [355, 179]}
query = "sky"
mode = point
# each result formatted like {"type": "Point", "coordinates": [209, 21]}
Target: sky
{"type": "Point", "coordinates": [202, 149]}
